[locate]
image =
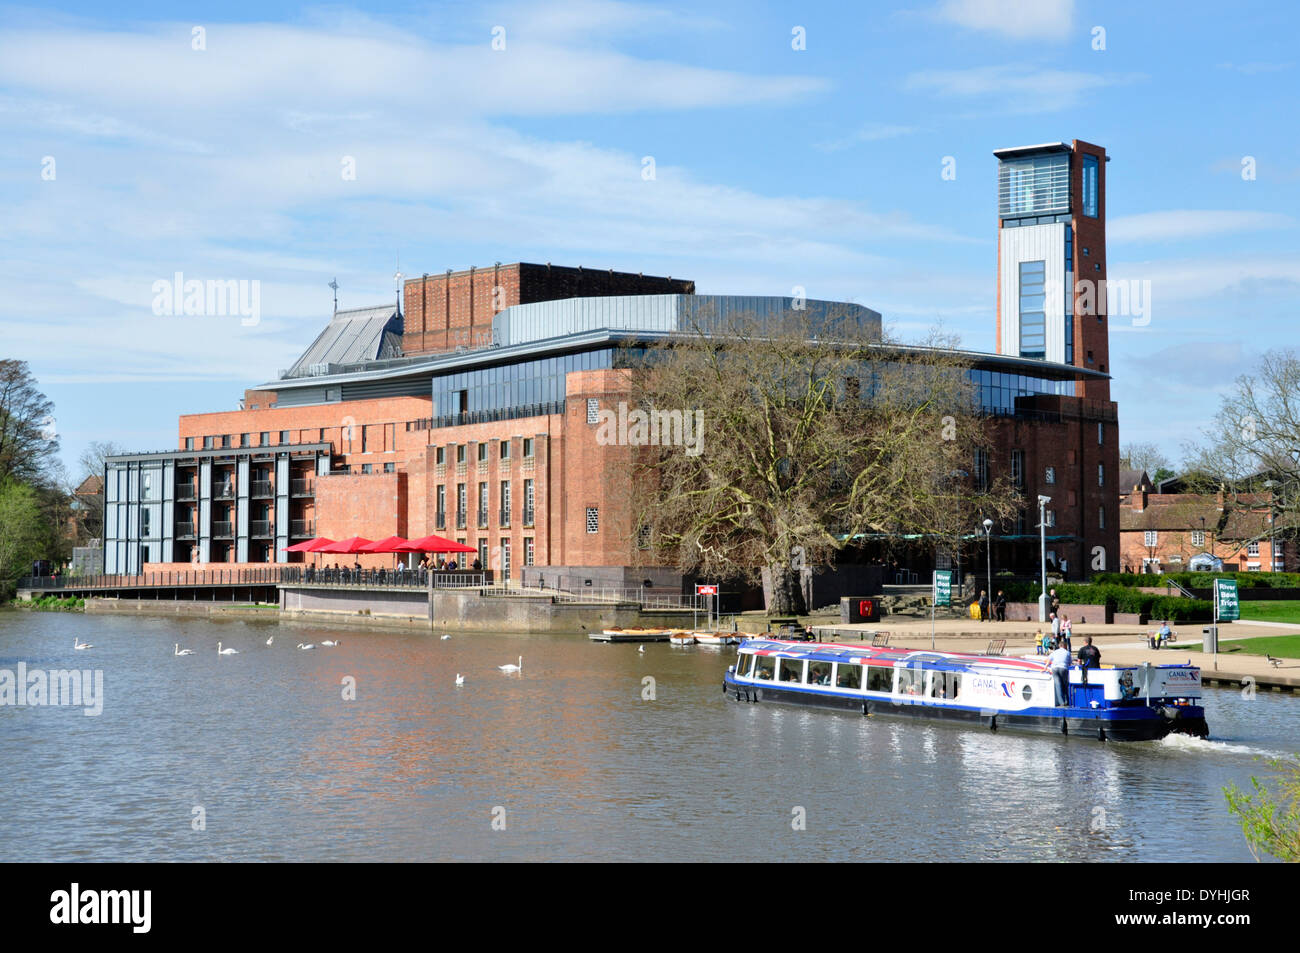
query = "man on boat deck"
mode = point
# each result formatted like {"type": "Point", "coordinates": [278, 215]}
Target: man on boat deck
{"type": "Point", "coordinates": [1060, 663]}
{"type": "Point", "coordinates": [1089, 657]}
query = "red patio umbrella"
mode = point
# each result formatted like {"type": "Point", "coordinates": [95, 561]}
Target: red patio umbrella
{"type": "Point", "coordinates": [393, 544]}
{"type": "Point", "coordinates": [353, 544]}
{"type": "Point", "coordinates": [438, 544]}
{"type": "Point", "coordinates": [310, 546]}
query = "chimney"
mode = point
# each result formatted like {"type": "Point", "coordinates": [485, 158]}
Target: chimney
{"type": "Point", "coordinates": [1139, 498]}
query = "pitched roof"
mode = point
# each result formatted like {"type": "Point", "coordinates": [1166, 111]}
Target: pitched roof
{"type": "Point", "coordinates": [1129, 478]}
{"type": "Point", "coordinates": [360, 334]}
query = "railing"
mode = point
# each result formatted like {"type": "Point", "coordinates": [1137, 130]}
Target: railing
{"type": "Point", "coordinates": [460, 519]}
{"type": "Point", "coordinates": [184, 530]}
{"type": "Point", "coordinates": [223, 530]}
{"type": "Point", "coordinates": [646, 598]}
{"type": "Point", "coordinates": [488, 416]}
{"type": "Point", "coordinates": [186, 492]}
{"type": "Point", "coordinates": [505, 518]}
{"type": "Point", "coordinates": [440, 520]}
{"type": "Point", "coordinates": [223, 491]}
{"type": "Point", "coordinates": [388, 578]}
{"type": "Point", "coordinates": [260, 528]}
{"type": "Point", "coordinates": [198, 577]}
{"type": "Point", "coordinates": [262, 488]}
{"type": "Point", "coordinates": [302, 529]}
{"type": "Point", "coordinates": [528, 516]}
{"type": "Point", "coordinates": [482, 519]}
{"type": "Point", "coordinates": [302, 487]}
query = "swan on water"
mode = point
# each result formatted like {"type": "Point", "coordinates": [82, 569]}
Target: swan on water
{"type": "Point", "coordinates": [444, 637]}
{"type": "Point", "coordinates": [331, 644]}
{"type": "Point", "coordinates": [309, 645]}
{"type": "Point", "coordinates": [221, 651]}
{"type": "Point", "coordinates": [177, 650]}
{"type": "Point", "coordinates": [269, 639]}
{"type": "Point", "coordinates": [460, 679]}
{"type": "Point", "coordinates": [78, 644]}
{"type": "Point", "coordinates": [513, 668]}
{"type": "Point", "coordinates": [641, 649]}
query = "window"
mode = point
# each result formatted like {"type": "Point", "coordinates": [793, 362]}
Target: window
{"type": "Point", "coordinates": [482, 453]}
{"type": "Point", "coordinates": [144, 523]}
{"type": "Point", "coordinates": [1090, 186]}
{"type": "Point", "coordinates": [207, 443]}
{"type": "Point", "coordinates": [593, 520]}
{"type": "Point", "coordinates": [819, 673]}
{"type": "Point", "coordinates": [1051, 518]}
{"type": "Point", "coordinates": [365, 438]}
{"type": "Point", "coordinates": [146, 487]}
{"type": "Point", "coordinates": [911, 681]}
{"type": "Point", "coordinates": [764, 667]}
{"type": "Point", "coordinates": [1049, 476]}
{"type": "Point", "coordinates": [593, 410]}
{"type": "Point", "coordinates": [1101, 434]}
{"type": "Point", "coordinates": [981, 470]}
{"type": "Point", "coordinates": [265, 439]}
{"type": "Point", "coordinates": [505, 558]}
{"type": "Point", "coordinates": [1101, 517]}
{"type": "Point", "coordinates": [790, 670]}
{"type": "Point", "coordinates": [460, 453]}
{"type": "Point", "coordinates": [880, 678]}
{"type": "Point", "coordinates": [1018, 469]}
{"type": "Point", "coordinates": [284, 436]}
{"type": "Point", "coordinates": [745, 665]}
{"type": "Point", "coordinates": [189, 443]}
{"type": "Point", "coordinates": [1151, 538]}
{"type": "Point", "coordinates": [440, 456]}
{"type": "Point", "coordinates": [367, 468]}
{"type": "Point", "coordinates": [1101, 474]}
{"type": "Point", "coordinates": [1198, 537]}
{"type": "Point", "coordinates": [848, 675]}
{"type": "Point", "coordinates": [530, 550]}
{"type": "Point", "coordinates": [529, 499]}
{"type": "Point", "coordinates": [505, 449]}
{"type": "Point", "coordinates": [482, 553]}
{"type": "Point", "coordinates": [1034, 185]}
{"type": "Point", "coordinates": [243, 439]}
{"type": "Point", "coordinates": [390, 467]}
{"type": "Point", "coordinates": [1252, 549]}
{"type": "Point", "coordinates": [528, 446]}
{"type": "Point", "coordinates": [442, 500]}
{"type": "Point", "coordinates": [1033, 304]}
{"type": "Point", "coordinates": [225, 440]}
{"type": "Point", "coordinates": [505, 501]}
{"type": "Point", "coordinates": [945, 685]}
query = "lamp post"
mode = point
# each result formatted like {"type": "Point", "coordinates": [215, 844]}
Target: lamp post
{"type": "Point", "coordinates": [988, 551]}
{"type": "Point", "coordinates": [1042, 534]}
{"type": "Point", "coordinates": [1272, 546]}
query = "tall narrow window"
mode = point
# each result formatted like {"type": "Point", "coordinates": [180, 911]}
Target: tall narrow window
{"type": "Point", "coordinates": [1090, 186]}
{"type": "Point", "coordinates": [1033, 299]}
{"type": "Point", "coordinates": [1018, 469]}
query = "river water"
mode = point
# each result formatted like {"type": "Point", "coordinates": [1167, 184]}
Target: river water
{"type": "Point", "coordinates": [566, 761]}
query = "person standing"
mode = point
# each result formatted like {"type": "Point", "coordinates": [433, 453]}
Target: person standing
{"type": "Point", "coordinates": [1001, 606]}
{"type": "Point", "coordinates": [1053, 602]}
{"type": "Point", "coordinates": [1056, 629]}
{"type": "Point", "coordinates": [1060, 664]}
{"type": "Point", "coordinates": [1066, 628]}
{"type": "Point", "coordinates": [1089, 657]}
{"type": "Point", "coordinates": [984, 605]}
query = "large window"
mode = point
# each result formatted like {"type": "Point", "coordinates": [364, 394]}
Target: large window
{"type": "Point", "coordinates": [791, 670]}
{"type": "Point", "coordinates": [1033, 299]}
{"type": "Point", "coordinates": [848, 675]}
{"type": "Point", "coordinates": [880, 678]}
{"type": "Point", "coordinates": [1090, 186]}
{"type": "Point", "coordinates": [1034, 185]}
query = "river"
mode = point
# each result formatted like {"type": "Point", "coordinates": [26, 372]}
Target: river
{"type": "Point", "coordinates": [567, 760]}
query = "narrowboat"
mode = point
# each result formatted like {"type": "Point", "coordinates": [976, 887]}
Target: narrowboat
{"type": "Point", "coordinates": [1117, 703]}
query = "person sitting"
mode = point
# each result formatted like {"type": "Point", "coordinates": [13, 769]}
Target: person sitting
{"type": "Point", "coordinates": [1165, 635]}
{"type": "Point", "coordinates": [451, 566]}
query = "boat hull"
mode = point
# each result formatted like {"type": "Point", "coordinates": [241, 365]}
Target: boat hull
{"type": "Point", "coordinates": [1137, 723]}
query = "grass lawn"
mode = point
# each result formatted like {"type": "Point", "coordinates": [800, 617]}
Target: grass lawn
{"type": "Point", "coordinates": [1282, 646]}
{"type": "Point", "coordinates": [1282, 610]}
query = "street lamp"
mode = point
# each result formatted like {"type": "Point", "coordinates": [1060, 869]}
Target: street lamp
{"type": "Point", "coordinates": [988, 551]}
{"type": "Point", "coordinates": [1272, 546]}
{"type": "Point", "coordinates": [1042, 533]}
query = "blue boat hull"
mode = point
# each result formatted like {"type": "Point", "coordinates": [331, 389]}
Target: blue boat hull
{"type": "Point", "coordinates": [1128, 723]}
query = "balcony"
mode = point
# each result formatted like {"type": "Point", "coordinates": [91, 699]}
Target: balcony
{"type": "Point", "coordinates": [262, 489]}
{"type": "Point", "coordinates": [186, 492]}
{"type": "Point", "coordinates": [223, 491]}
{"type": "Point", "coordinates": [185, 530]}
{"type": "Point", "coordinates": [261, 529]}
{"type": "Point", "coordinates": [460, 519]}
{"type": "Point", "coordinates": [440, 520]}
{"type": "Point", "coordinates": [482, 518]}
{"type": "Point", "coordinates": [223, 530]}
{"type": "Point", "coordinates": [302, 488]}
{"type": "Point", "coordinates": [302, 529]}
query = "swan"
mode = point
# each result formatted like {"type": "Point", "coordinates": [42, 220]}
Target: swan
{"type": "Point", "coordinates": [444, 637]}
{"type": "Point", "coordinates": [269, 639]}
{"type": "Point", "coordinates": [309, 645]}
{"type": "Point", "coordinates": [460, 679]}
{"type": "Point", "coordinates": [78, 644]}
{"type": "Point", "coordinates": [327, 642]}
{"type": "Point", "coordinates": [641, 649]}
{"type": "Point", "coordinates": [177, 650]}
{"type": "Point", "coordinates": [513, 668]}
{"type": "Point", "coordinates": [221, 651]}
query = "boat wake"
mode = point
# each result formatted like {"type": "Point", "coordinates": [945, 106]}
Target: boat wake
{"type": "Point", "coordinates": [1210, 746]}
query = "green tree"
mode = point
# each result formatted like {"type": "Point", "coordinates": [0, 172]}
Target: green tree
{"type": "Point", "coordinates": [1271, 819]}
{"type": "Point", "coordinates": [23, 534]}
{"type": "Point", "coordinates": [28, 444]}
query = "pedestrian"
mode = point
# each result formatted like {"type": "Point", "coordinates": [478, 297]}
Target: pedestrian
{"type": "Point", "coordinates": [1056, 629]}
{"type": "Point", "coordinates": [1001, 606]}
{"type": "Point", "coordinates": [478, 565]}
{"type": "Point", "coordinates": [1053, 601]}
{"type": "Point", "coordinates": [1066, 628]}
{"type": "Point", "coordinates": [1060, 664]}
{"type": "Point", "coordinates": [984, 606]}
{"type": "Point", "coordinates": [1089, 657]}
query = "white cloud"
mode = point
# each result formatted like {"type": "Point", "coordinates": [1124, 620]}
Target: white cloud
{"type": "Point", "coordinates": [867, 132]}
{"type": "Point", "coordinates": [1177, 224]}
{"type": "Point", "coordinates": [1020, 89]}
{"type": "Point", "coordinates": [1016, 19]}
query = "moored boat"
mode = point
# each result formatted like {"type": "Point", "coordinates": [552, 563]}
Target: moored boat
{"type": "Point", "coordinates": [1132, 703]}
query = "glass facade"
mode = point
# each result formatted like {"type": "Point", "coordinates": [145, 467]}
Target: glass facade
{"type": "Point", "coordinates": [1034, 185]}
{"type": "Point", "coordinates": [1033, 300]}
{"type": "Point", "coordinates": [493, 390]}
{"type": "Point", "coordinates": [1090, 186]}
{"type": "Point", "coordinates": [998, 390]}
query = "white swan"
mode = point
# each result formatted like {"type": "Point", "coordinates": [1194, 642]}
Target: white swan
{"type": "Point", "coordinates": [269, 639]}
{"type": "Point", "coordinates": [460, 679]}
{"type": "Point", "coordinates": [177, 650]}
{"type": "Point", "coordinates": [78, 644]}
{"type": "Point", "coordinates": [309, 645]}
{"type": "Point", "coordinates": [444, 637]}
{"type": "Point", "coordinates": [331, 644]}
{"type": "Point", "coordinates": [641, 649]}
{"type": "Point", "coordinates": [221, 651]}
{"type": "Point", "coordinates": [513, 668]}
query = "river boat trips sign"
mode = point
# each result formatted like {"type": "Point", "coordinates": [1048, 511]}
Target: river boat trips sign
{"type": "Point", "coordinates": [1225, 594]}
{"type": "Point", "coordinates": [943, 587]}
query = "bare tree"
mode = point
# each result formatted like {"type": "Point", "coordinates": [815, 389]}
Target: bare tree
{"type": "Point", "coordinates": [1147, 457]}
{"type": "Point", "coordinates": [28, 443]}
{"type": "Point", "coordinates": [810, 434]}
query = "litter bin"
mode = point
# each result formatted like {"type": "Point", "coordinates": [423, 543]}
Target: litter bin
{"type": "Point", "coordinates": [1211, 643]}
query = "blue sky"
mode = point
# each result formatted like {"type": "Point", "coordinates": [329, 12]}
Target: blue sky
{"type": "Point", "coordinates": [774, 168]}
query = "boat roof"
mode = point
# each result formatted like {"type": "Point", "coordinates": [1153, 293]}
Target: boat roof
{"type": "Point", "coordinates": [890, 655]}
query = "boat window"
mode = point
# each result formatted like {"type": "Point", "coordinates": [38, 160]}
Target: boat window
{"type": "Point", "coordinates": [945, 685]}
{"type": "Point", "coordinates": [911, 681]}
{"type": "Point", "coordinates": [848, 675]}
{"type": "Point", "coordinates": [819, 673]}
{"type": "Point", "coordinates": [791, 670]}
{"type": "Point", "coordinates": [764, 666]}
{"type": "Point", "coordinates": [880, 678]}
{"type": "Point", "coordinates": [744, 662]}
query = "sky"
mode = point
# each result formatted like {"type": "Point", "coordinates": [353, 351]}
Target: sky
{"type": "Point", "coordinates": [755, 148]}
